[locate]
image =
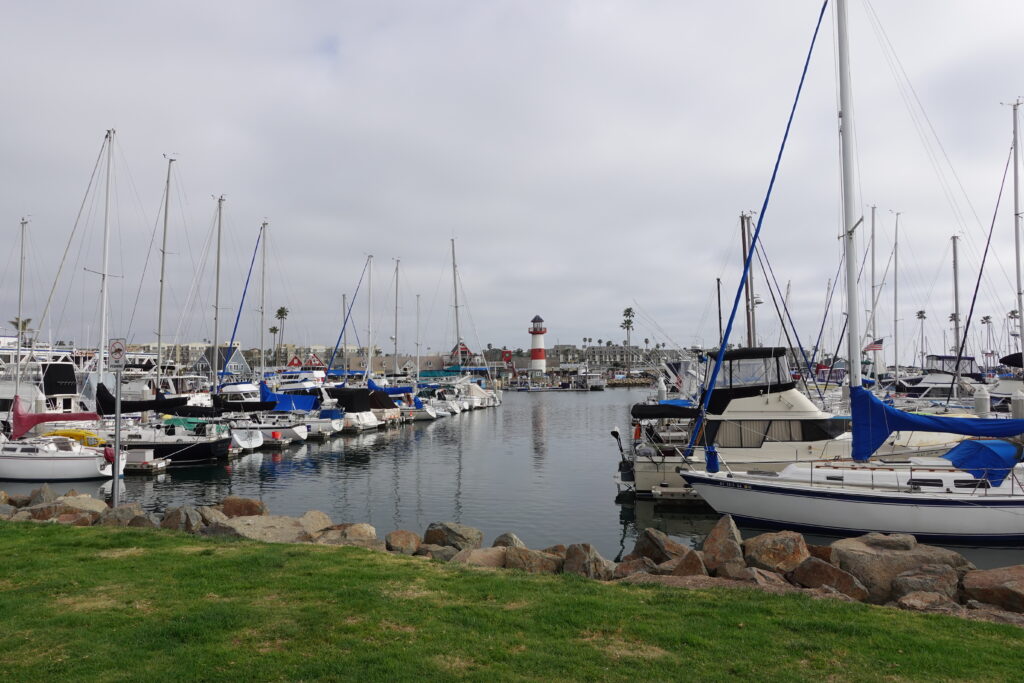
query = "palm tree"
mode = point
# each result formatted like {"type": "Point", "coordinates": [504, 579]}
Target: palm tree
{"type": "Point", "coordinates": [273, 330]}
{"type": "Point", "coordinates": [627, 325]}
{"type": "Point", "coordinates": [600, 341]}
{"type": "Point", "coordinates": [282, 315]}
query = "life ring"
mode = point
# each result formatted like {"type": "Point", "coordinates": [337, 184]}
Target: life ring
{"type": "Point", "coordinates": [506, 355]}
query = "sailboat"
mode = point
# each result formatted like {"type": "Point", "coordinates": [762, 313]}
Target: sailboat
{"type": "Point", "coordinates": [973, 494]}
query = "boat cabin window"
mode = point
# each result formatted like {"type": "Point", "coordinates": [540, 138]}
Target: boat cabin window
{"type": "Point", "coordinates": [749, 372]}
{"type": "Point", "coordinates": [924, 482]}
{"type": "Point", "coordinates": [972, 484]}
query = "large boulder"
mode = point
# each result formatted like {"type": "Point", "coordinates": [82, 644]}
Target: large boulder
{"type": "Point", "coordinates": [441, 553]}
{"type": "Point", "coordinates": [1003, 587]}
{"type": "Point", "coordinates": [493, 558]}
{"type": "Point", "coordinates": [18, 500]}
{"type": "Point", "coordinates": [636, 566]}
{"type": "Point", "coordinates": [723, 545]}
{"type": "Point", "coordinates": [924, 601]}
{"type": "Point", "coordinates": [236, 506]}
{"type": "Point", "coordinates": [508, 540]}
{"type": "Point", "coordinates": [349, 534]}
{"type": "Point", "coordinates": [877, 559]}
{"type": "Point", "coordinates": [314, 522]}
{"type": "Point", "coordinates": [43, 494]}
{"type": "Point", "coordinates": [815, 573]}
{"type": "Point", "coordinates": [583, 559]}
{"type": "Point", "coordinates": [73, 505]}
{"type": "Point", "coordinates": [456, 535]}
{"type": "Point", "coordinates": [402, 541]}
{"type": "Point", "coordinates": [3, 498]}
{"type": "Point", "coordinates": [929, 578]}
{"type": "Point", "coordinates": [183, 518]}
{"type": "Point", "coordinates": [7, 511]}
{"type": "Point", "coordinates": [121, 515]}
{"type": "Point", "coordinates": [687, 564]}
{"type": "Point", "coordinates": [533, 561]}
{"type": "Point", "coordinates": [779, 552]}
{"type": "Point", "coordinates": [266, 528]}
{"type": "Point", "coordinates": [658, 546]}
{"type": "Point", "coordinates": [147, 521]}
{"type": "Point", "coordinates": [211, 515]}
{"type": "Point", "coordinates": [557, 549]}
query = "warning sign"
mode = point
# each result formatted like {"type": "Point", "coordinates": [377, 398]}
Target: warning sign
{"type": "Point", "coordinates": [117, 354]}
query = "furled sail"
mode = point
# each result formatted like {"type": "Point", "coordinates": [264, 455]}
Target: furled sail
{"type": "Point", "coordinates": [873, 422]}
{"type": "Point", "coordinates": [22, 422]}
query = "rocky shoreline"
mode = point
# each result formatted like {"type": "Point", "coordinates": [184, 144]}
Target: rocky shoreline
{"type": "Point", "coordinates": [879, 569]}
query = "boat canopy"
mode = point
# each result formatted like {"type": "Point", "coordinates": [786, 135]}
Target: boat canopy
{"type": "Point", "coordinates": [873, 422]}
{"type": "Point", "coordinates": [754, 367]}
{"type": "Point", "coordinates": [990, 459]}
{"type": "Point", "coordinates": [352, 400]}
{"type": "Point", "coordinates": [106, 403]}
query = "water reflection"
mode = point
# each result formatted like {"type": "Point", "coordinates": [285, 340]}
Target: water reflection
{"type": "Point", "coordinates": [538, 423]}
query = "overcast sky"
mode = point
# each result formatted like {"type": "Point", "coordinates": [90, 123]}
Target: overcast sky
{"type": "Point", "coordinates": [585, 155]}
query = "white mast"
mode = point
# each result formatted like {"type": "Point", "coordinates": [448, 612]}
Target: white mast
{"type": "Point", "coordinates": [216, 300]}
{"type": "Point", "coordinates": [850, 220]}
{"type": "Point", "coordinates": [395, 351]}
{"type": "Point", "coordinates": [1016, 228]}
{"type": "Point", "coordinates": [417, 342]}
{"type": "Point", "coordinates": [344, 334]}
{"type": "Point", "coordinates": [369, 317]}
{"type": "Point", "coordinates": [163, 258]}
{"type": "Point", "coordinates": [106, 259]}
{"type": "Point", "coordinates": [455, 289]}
{"type": "Point", "coordinates": [263, 300]}
{"type": "Point", "coordinates": [21, 324]}
{"type": "Point", "coordinates": [874, 301]}
{"type": "Point", "coordinates": [956, 297]}
{"type": "Point", "coordinates": [895, 301]}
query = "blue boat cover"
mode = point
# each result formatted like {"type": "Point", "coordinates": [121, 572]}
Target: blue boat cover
{"type": "Point", "coordinates": [288, 401]}
{"type": "Point", "coordinates": [990, 460]}
{"type": "Point", "coordinates": [873, 422]}
{"type": "Point", "coordinates": [417, 402]}
{"type": "Point", "coordinates": [681, 402]}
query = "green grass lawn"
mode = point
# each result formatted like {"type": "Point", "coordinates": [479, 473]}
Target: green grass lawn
{"type": "Point", "coordinates": [113, 604]}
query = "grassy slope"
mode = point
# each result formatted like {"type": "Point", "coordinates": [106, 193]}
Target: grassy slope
{"type": "Point", "coordinates": [88, 603]}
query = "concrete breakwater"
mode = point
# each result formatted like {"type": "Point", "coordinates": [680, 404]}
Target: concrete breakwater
{"type": "Point", "coordinates": [892, 570]}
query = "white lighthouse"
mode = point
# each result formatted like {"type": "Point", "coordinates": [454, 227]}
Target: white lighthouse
{"type": "Point", "coordinates": [538, 360]}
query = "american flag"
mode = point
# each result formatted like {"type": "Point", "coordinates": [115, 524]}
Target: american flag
{"type": "Point", "coordinates": [874, 346]}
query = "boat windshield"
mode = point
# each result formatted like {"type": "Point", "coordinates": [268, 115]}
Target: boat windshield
{"type": "Point", "coordinates": [747, 372]}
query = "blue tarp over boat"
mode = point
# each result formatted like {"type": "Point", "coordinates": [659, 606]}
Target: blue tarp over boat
{"type": "Point", "coordinates": [873, 422]}
{"type": "Point", "coordinates": [989, 459]}
{"type": "Point", "coordinates": [288, 401]}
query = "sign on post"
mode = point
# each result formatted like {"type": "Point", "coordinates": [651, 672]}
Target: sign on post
{"type": "Point", "coordinates": [117, 354]}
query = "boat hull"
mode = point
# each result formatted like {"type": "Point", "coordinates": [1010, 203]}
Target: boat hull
{"type": "Point", "coordinates": [968, 520]}
{"type": "Point", "coordinates": [188, 454]}
{"type": "Point", "coordinates": [47, 467]}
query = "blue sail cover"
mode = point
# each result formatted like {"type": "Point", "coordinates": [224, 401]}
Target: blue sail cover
{"type": "Point", "coordinates": [873, 422]}
{"type": "Point", "coordinates": [990, 460]}
{"type": "Point", "coordinates": [288, 401]}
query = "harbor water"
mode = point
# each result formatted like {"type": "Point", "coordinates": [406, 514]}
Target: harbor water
{"type": "Point", "coordinates": [540, 465]}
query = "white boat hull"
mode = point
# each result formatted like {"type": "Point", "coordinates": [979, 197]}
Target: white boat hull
{"type": "Point", "coordinates": [977, 518]}
{"type": "Point", "coordinates": [55, 467]}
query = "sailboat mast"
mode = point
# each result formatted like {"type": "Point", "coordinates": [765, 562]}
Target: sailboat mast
{"type": "Point", "coordinates": [106, 260]}
{"type": "Point", "coordinates": [874, 301]}
{"type": "Point", "coordinates": [263, 301]}
{"type": "Point", "coordinates": [395, 351]}
{"type": "Point", "coordinates": [21, 324]}
{"type": "Point", "coordinates": [956, 296]}
{"type": "Point", "coordinates": [417, 342]}
{"type": "Point", "coordinates": [163, 259]}
{"type": "Point", "coordinates": [369, 316]}
{"type": "Point", "coordinates": [1016, 227]}
{"type": "Point", "coordinates": [344, 332]}
{"type": "Point", "coordinates": [455, 289]}
{"type": "Point", "coordinates": [216, 300]}
{"type": "Point", "coordinates": [850, 220]}
{"type": "Point", "coordinates": [895, 301]}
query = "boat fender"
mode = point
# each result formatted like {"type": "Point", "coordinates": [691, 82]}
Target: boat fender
{"type": "Point", "coordinates": [108, 454]}
{"type": "Point", "coordinates": [636, 432]}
